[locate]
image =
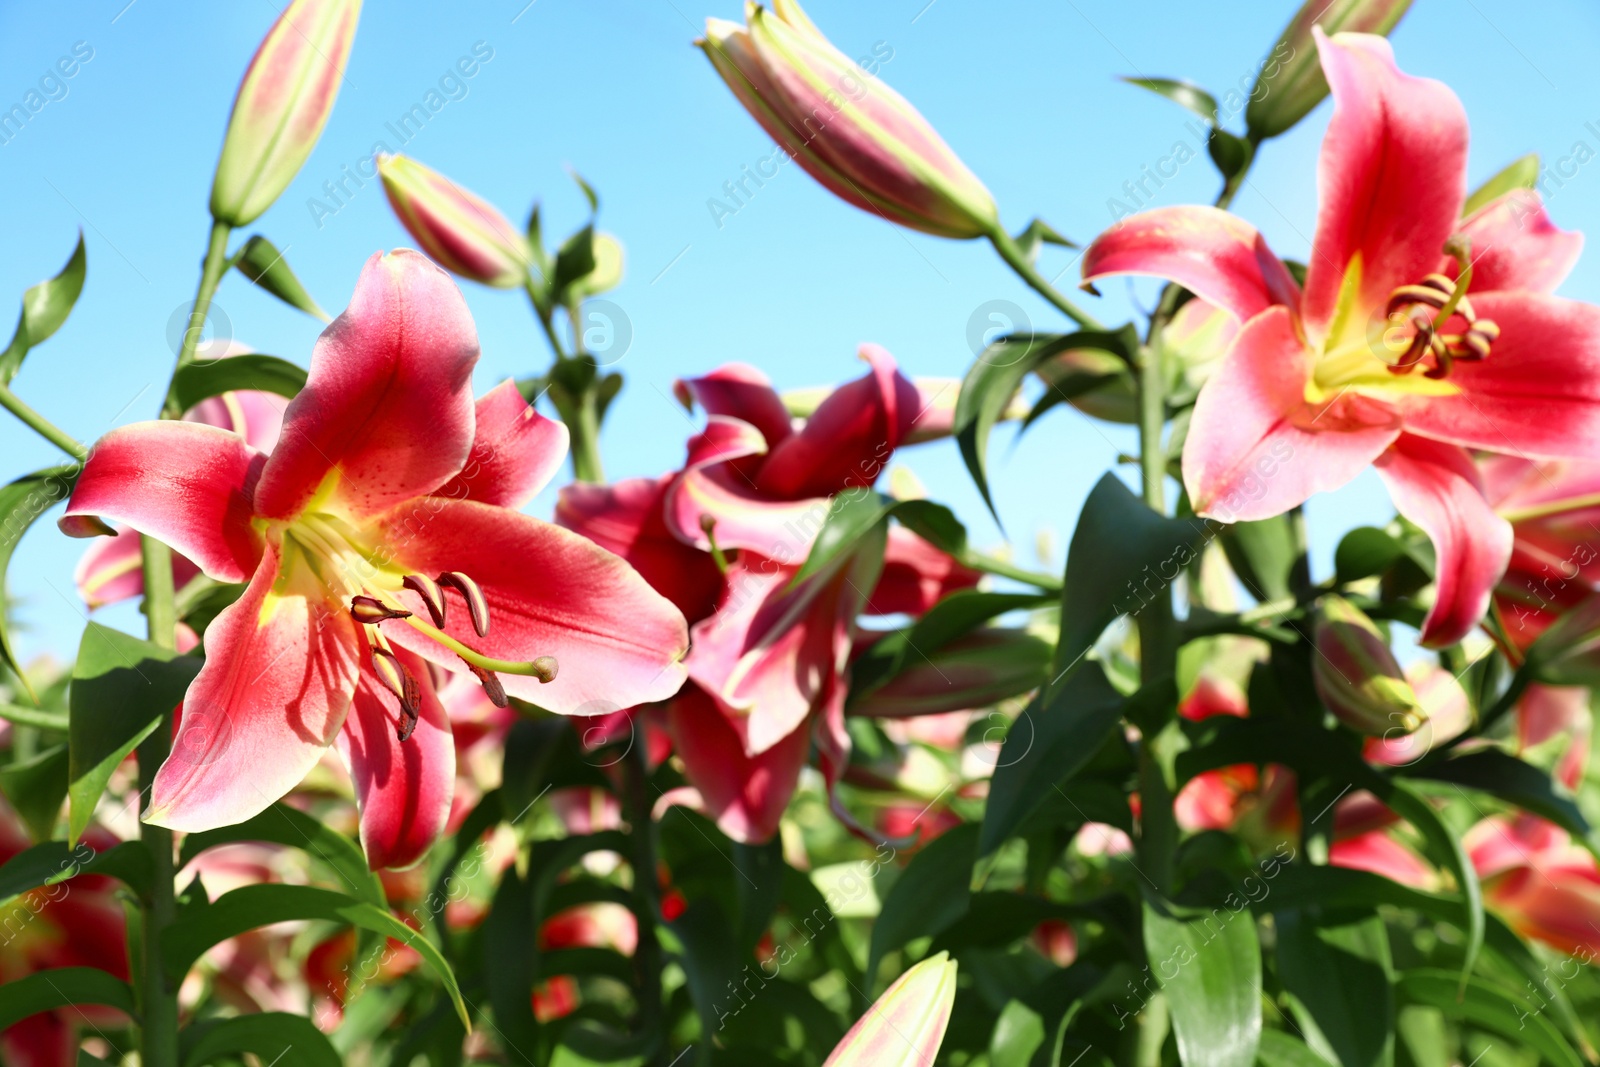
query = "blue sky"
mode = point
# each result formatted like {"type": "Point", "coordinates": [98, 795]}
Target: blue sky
{"type": "Point", "coordinates": [1024, 91]}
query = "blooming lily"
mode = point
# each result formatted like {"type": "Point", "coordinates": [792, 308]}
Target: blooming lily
{"type": "Point", "coordinates": [1545, 887]}
{"type": "Point", "coordinates": [1419, 334]}
{"type": "Point", "coordinates": [849, 131]}
{"type": "Point", "coordinates": [389, 494]}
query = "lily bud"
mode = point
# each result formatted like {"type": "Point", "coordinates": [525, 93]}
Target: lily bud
{"type": "Point", "coordinates": [906, 1026]}
{"type": "Point", "coordinates": [1357, 676]}
{"type": "Point", "coordinates": [458, 229]}
{"type": "Point", "coordinates": [283, 103]}
{"type": "Point", "coordinates": [1291, 82]}
{"type": "Point", "coordinates": [973, 671]}
{"type": "Point", "coordinates": [848, 130]}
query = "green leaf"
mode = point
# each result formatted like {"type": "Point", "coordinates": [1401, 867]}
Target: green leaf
{"type": "Point", "coordinates": [122, 690]}
{"type": "Point", "coordinates": [36, 787]}
{"type": "Point", "coordinates": [264, 264]}
{"type": "Point", "coordinates": [1512, 780]}
{"type": "Point", "coordinates": [55, 861]}
{"type": "Point", "coordinates": [586, 1043]}
{"type": "Point", "coordinates": [1210, 971]}
{"type": "Point", "coordinates": [1520, 174]}
{"type": "Point", "coordinates": [956, 615]}
{"type": "Point", "coordinates": [1340, 971]}
{"type": "Point", "coordinates": [574, 260]}
{"type": "Point", "coordinates": [254, 906]}
{"type": "Point", "coordinates": [1018, 1033]}
{"type": "Point", "coordinates": [930, 894]}
{"type": "Point", "coordinates": [1263, 554]}
{"type": "Point", "coordinates": [1183, 93]}
{"type": "Point", "coordinates": [270, 1035]}
{"type": "Point", "coordinates": [1231, 154]}
{"type": "Point", "coordinates": [282, 824]}
{"type": "Point", "coordinates": [1048, 743]}
{"type": "Point", "coordinates": [1364, 552]}
{"type": "Point", "coordinates": [588, 190]}
{"type": "Point", "coordinates": [1037, 233]}
{"type": "Point", "coordinates": [44, 308]}
{"type": "Point", "coordinates": [21, 504]}
{"type": "Point", "coordinates": [1279, 1049]}
{"type": "Point", "coordinates": [855, 513]}
{"type": "Point", "coordinates": [61, 987]}
{"type": "Point", "coordinates": [268, 374]}
{"type": "Point", "coordinates": [1493, 1007]}
{"type": "Point", "coordinates": [43, 718]}
{"type": "Point", "coordinates": [1444, 847]}
{"type": "Point", "coordinates": [993, 380]}
{"type": "Point", "coordinates": [1122, 556]}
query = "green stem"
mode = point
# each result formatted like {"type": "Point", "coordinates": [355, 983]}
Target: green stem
{"type": "Point", "coordinates": [647, 956]}
{"type": "Point", "coordinates": [991, 565]}
{"type": "Point", "coordinates": [41, 425]}
{"type": "Point", "coordinates": [158, 907]}
{"type": "Point", "coordinates": [1018, 262]}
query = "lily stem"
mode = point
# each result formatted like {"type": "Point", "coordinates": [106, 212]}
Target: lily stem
{"type": "Point", "coordinates": [1018, 261]}
{"type": "Point", "coordinates": [158, 907]}
{"type": "Point", "coordinates": [41, 425]}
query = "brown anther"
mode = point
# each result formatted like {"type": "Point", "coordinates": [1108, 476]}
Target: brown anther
{"type": "Point", "coordinates": [545, 668]}
{"type": "Point", "coordinates": [367, 609]}
{"type": "Point", "coordinates": [1407, 295]}
{"type": "Point", "coordinates": [389, 671]}
{"type": "Point", "coordinates": [491, 686]}
{"type": "Point", "coordinates": [432, 596]}
{"type": "Point", "coordinates": [477, 606]}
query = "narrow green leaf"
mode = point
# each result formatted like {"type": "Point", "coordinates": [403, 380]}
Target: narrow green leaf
{"type": "Point", "coordinates": [43, 718]}
{"type": "Point", "coordinates": [1364, 552]}
{"type": "Point", "coordinates": [1444, 847]}
{"type": "Point", "coordinates": [264, 264]}
{"type": "Point", "coordinates": [44, 308]}
{"type": "Point", "coordinates": [1263, 554]}
{"type": "Point", "coordinates": [956, 615]}
{"type": "Point", "coordinates": [1018, 1033]}
{"type": "Point", "coordinates": [282, 824]}
{"type": "Point", "coordinates": [255, 906]}
{"type": "Point", "coordinates": [1503, 775]}
{"type": "Point", "coordinates": [1183, 93]}
{"type": "Point", "coordinates": [1341, 972]}
{"type": "Point", "coordinates": [1519, 174]}
{"type": "Point", "coordinates": [268, 374]}
{"type": "Point", "coordinates": [1279, 1049]}
{"type": "Point", "coordinates": [21, 504]}
{"type": "Point", "coordinates": [55, 861]}
{"type": "Point", "coordinates": [1493, 1007]}
{"type": "Point", "coordinates": [932, 893]}
{"type": "Point", "coordinates": [122, 690]}
{"type": "Point", "coordinates": [61, 987]}
{"type": "Point", "coordinates": [1210, 970]}
{"type": "Point", "coordinates": [574, 260]}
{"type": "Point", "coordinates": [36, 787]}
{"type": "Point", "coordinates": [270, 1035]}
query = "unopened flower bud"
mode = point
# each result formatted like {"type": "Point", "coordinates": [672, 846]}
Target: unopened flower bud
{"type": "Point", "coordinates": [460, 230]}
{"type": "Point", "coordinates": [1291, 82]}
{"type": "Point", "coordinates": [1357, 676]}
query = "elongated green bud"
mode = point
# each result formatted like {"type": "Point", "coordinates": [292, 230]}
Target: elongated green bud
{"type": "Point", "coordinates": [1357, 676]}
{"type": "Point", "coordinates": [1291, 83]}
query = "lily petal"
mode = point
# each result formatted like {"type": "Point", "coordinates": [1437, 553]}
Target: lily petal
{"type": "Point", "coordinates": [742, 391]}
{"type": "Point", "coordinates": [386, 414]}
{"type": "Point", "coordinates": [1516, 246]}
{"type": "Point", "coordinates": [250, 413]}
{"type": "Point", "coordinates": [1393, 177]}
{"type": "Point", "coordinates": [183, 482]}
{"type": "Point", "coordinates": [280, 668]}
{"type": "Point", "coordinates": [1436, 486]}
{"type": "Point", "coordinates": [1538, 393]}
{"type": "Point", "coordinates": [745, 795]}
{"type": "Point", "coordinates": [847, 441]}
{"type": "Point", "coordinates": [714, 487]}
{"type": "Point", "coordinates": [515, 451]}
{"type": "Point", "coordinates": [550, 592]}
{"type": "Point", "coordinates": [110, 570]}
{"type": "Point", "coordinates": [627, 518]}
{"type": "Point", "coordinates": [1212, 253]}
{"type": "Point", "coordinates": [403, 788]}
{"type": "Point", "coordinates": [1255, 447]}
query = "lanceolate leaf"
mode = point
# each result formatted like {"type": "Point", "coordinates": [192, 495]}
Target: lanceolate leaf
{"type": "Point", "coordinates": [1210, 970]}
{"type": "Point", "coordinates": [285, 825]}
{"type": "Point", "coordinates": [1494, 1008]}
{"type": "Point", "coordinates": [36, 786]}
{"type": "Point", "coordinates": [1340, 971]}
{"type": "Point", "coordinates": [264, 264]}
{"type": "Point", "coordinates": [1445, 847]}
{"type": "Point", "coordinates": [272, 1036]}
{"type": "Point", "coordinates": [262, 905]}
{"type": "Point", "coordinates": [122, 690]}
{"type": "Point", "coordinates": [44, 308]}
{"type": "Point", "coordinates": [269, 374]}
{"type": "Point", "coordinates": [1519, 174]}
{"type": "Point", "coordinates": [955, 615]}
{"type": "Point", "coordinates": [21, 503]}
{"type": "Point", "coordinates": [55, 861]}
{"type": "Point", "coordinates": [1185, 94]}
{"type": "Point", "coordinates": [61, 987]}
{"type": "Point", "coordinates": [1509, 778]}
{"type": "Point", "coordinates": [931, 894]}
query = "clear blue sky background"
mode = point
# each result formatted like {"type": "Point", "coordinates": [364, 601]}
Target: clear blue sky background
{"type": "Point", "coordinates": [1024, 91]}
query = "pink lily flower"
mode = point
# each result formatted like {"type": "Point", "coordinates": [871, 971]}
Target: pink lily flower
{"type": "Point", "coordinates": [1419, 334]}
{"type": "Point", "coordinates": [1552, 508]}
{"type": "Point", "coordinates": [388, 491]}
{"type": "Point", "coordinates": [1545, 887]}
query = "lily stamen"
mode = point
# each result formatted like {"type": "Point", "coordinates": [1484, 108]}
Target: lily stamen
{"type": "Point", "coordinates": [477, 606]}
{"type": "Point", "coordinates": [432, 596]}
